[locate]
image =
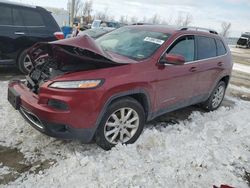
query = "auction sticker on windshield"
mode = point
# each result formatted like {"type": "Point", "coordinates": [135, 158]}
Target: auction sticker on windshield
{"type": "Point", "coordinates": [154, 40]}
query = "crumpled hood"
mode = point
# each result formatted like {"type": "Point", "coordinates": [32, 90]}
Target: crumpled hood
{"type": "Point", "coordinates": [75, 45]}
{"type": "Point", "coordinates": [83, 42]}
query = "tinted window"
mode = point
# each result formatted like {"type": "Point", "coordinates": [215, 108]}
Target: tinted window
{"type": "Point", "coordinates": [17, 18]}
{"type": "Point", "coordinates": [32, 18]}
{"type": "Point", "coordinates": [185, 47]}
{"type": "Point", "coordinates": [5, 18]}
{"type": "Point", "coordinates": [220, 47]}
{"type": "Point", "coordinates": [206, 47]}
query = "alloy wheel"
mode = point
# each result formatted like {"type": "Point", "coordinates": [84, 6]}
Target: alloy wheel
{"type": "Point", "coordinates": [27, 63]}
{"type": "Point", "coordinates": [218, 96]}
{"type": "Point", "coordinates": [121, 125]}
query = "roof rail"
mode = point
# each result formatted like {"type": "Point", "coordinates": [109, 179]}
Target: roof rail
{"type": "Point", "coordinates": [199, 29]}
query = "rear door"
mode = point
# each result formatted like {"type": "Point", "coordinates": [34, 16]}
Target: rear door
{"type": "Point", "coordinates": [12, 33]}
{"type": "Point", "coordinates": [210, 63]}
{"type": "Point", "coordinates": [176, 83]}
{"type": "Point", "coordinates": [35, 25]}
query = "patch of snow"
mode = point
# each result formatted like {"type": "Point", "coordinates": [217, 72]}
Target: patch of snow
{"type": "Point", "coordinates": [206, 149]}
{"type": "Point", "coordinates": [3, 170]}
{"type": "Point", "coordinates": [239, 88]}
{"type": "Point", "coordinates": [241, 68]}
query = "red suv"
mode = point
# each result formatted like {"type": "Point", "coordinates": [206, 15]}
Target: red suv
{"type": "Point", "coordinates": [106, 89]}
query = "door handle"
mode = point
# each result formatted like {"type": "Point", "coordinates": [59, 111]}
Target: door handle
{"type": "Point", "coordinates": [19, 33]}
{"type": "Point", "coordinates": [193, 69]}
{"type": "Point", "coordinates": [220, 64]}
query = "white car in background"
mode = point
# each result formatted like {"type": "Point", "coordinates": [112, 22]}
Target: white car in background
{"type": "Point", "coordinates": [100, 23]}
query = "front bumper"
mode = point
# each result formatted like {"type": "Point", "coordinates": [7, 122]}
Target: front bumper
{"type": "Point", "coordinates": [57, 130]}
{"type": "Point", "coordinates": [52, 122]}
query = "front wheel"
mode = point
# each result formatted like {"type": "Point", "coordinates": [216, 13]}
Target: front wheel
{"type": "Point", "coordinates": [123, 123]}
{"type": "Point", "coordinates": [216, 97]}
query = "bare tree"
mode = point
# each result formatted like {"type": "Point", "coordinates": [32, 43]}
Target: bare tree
{"type": "Point", "coordinates": [144, 19]}
{"type": "Point", "coordinates": [87, 9]}
{"type": "Point", "coordinates": [225, 28]}
{"type": "Point", "coordinates": [123, 19]}
{"type": "Point", "coordinates": [133, 19]}
{"type": "Point", "coordinates": [185, 20]}
{"type": "Point", "coordinates": [103, 15]}
{"type": "Point", "coordinates": [78, 6]}
{"type": "Point", "coordinates": [155, 19]}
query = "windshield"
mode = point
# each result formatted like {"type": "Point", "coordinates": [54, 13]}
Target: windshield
{"type": "Point", "coordinates": [133, 43]}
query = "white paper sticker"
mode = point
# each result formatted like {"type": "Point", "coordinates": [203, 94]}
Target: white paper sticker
{"type": "Point", "coordinates": [154, 40]}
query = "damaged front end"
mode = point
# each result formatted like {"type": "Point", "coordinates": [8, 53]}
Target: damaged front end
{"type": "Point", "coordinates": [66, 56]}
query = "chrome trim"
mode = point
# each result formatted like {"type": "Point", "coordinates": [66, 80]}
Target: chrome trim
{"type": "Point", "coordinates": [19, 33]}
{"type": "Point", "coordinates": [190, 62]}
{"type": "Point", "coordinates": [25, 112]}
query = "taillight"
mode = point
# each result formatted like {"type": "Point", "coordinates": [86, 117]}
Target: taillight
{"type": "Point", "coordinates": [59, 35]}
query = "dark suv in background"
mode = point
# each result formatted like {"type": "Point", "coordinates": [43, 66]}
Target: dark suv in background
{"type": "Point", "coordinates": [21, 26]}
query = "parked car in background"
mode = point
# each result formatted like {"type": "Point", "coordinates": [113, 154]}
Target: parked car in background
{"type": "Point", "coordinates": [21, 26]}
{"type": "Point", "coordinates": [106, 89]}
{"type": "Point", "coordinates": [96, 32]}
{"type": "Point", "coordinates": [100, 23]}
{"type": "Point", "coordinates": [244, 41]}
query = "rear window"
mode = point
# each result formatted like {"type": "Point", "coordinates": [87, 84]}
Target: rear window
{"type": "Point", "coordinates": [5, 18]}
{"type": "Point", "coordinates": [206, 47]}
{"type": "Point", "coordinates": [32, 18]}
{"type": "Point", "coordinates": [221, 48]}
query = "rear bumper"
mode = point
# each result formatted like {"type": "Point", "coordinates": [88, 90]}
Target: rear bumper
{"type": "Point", "coordinates": [49, 121]}
{"type": "Point", "coordinates": [241, 46]}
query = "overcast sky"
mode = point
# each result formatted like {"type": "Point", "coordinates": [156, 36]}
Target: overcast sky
{"type": "Point", "coordinates": [207, 13]}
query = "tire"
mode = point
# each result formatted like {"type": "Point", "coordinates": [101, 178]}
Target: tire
{"type": "Point", "coordinates": [24, 63]}
{"type": "Point", "coordinates": [131, 109]}
{"type": "Point", "coordinates": [216, 97]}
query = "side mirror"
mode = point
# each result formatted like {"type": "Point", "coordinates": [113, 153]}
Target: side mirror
{"type": "Point", "coordinates": [173, 59]}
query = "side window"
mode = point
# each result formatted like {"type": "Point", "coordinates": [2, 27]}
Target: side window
{"type": "Point", "coordinates": [32, 18]}
{"type": "Point", "coordinates": [17, 18]}
{"type": "Point", "coordinates": [184, 46]}
{"type": "Point", "coordinates": [206, 47]}
{"type": "Point", "coordinates": [6, 17]}
{"type": "Point", "coordinates": [220, 48]}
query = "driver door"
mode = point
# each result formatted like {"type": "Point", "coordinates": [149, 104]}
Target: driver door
{"type": "Point", "coordinates": [177, 83]}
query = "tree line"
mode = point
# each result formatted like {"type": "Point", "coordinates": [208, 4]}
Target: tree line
{"type": "Point", "coordinates": [84, 10]}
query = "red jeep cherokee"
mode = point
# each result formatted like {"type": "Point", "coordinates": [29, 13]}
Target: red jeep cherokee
{"type": "Point", "coordinates": [106, 89]}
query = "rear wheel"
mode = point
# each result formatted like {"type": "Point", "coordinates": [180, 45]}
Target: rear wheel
{"type": "Point", "coordinates": [24, 62]}
{"type": "Point", "coordinates": [122, 123]}
{"type": "Point", "coordinates": [216, 98]}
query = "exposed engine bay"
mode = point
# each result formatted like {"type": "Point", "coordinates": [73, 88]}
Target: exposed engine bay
{"type": "Point", "coordinates": [52, 59]}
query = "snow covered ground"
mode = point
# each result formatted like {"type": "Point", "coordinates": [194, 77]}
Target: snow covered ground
{"type": "Point", "coordinates": [241, 68]}
{"type": "Point", "coordinates": [204, 150]}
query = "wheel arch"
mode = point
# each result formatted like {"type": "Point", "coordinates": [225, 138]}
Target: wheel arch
{"type": "Point", "coordinates": [140, 95]}
{"type": "Point", "coordinates": [225, 79]}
